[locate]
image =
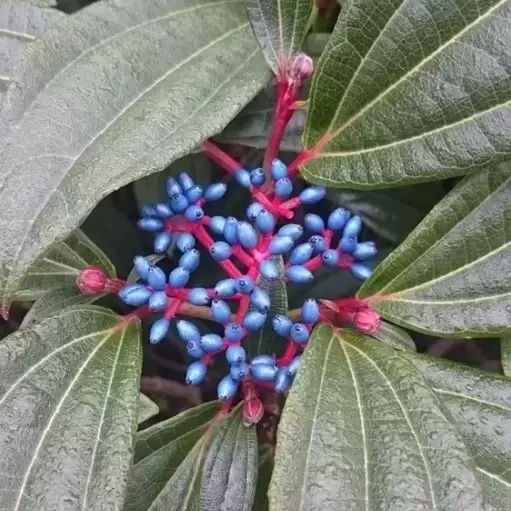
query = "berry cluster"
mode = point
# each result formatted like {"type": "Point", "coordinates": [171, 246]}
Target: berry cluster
{"type": "Point", "coordinates": [254, 245]}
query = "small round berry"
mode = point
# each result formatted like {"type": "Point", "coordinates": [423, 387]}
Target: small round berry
{"type": "Point", "coordinates": [360, 271]}
{"type": "Point", "coordinates": [244, 285]}
{"type": "Point", "coordinates": [156, 278]}
{"type": "Point", "coordinates": [299, 333]}
{"type": "Point", "coordinates": [365, 251]}
{"type": "Point", "coordinates": [294, 231]}
{"type": "Point", "coordinates": [211, 343]}
{"type": "Point", "coordinates": [159, 330]}
{"type": "Point", "coordinates": [310, 311]}
{"type": "Point", "coordinates": [260, 299]}
{"type": "Point", "coordinates": [196, 373]}
{"type": "Point", "coordinates": [282, 379]}
{"type": "Point", "coordinates": [193, 194]}
{"type": "Point", "coordinates": [330, 258]}
{"type": "Point", "coordinates": [185, 241]}
{"type": "Point", "coordinates": [158, 301]}
{"type": "Point", "coordinates": [137, 297]}
{"type": "Point", "coordinates": [235, 354]}
{"type": "Point", "coordinates": [301, 254]}
{"type": "Point", "coordinates": [294, 365]}
{"type": "Point", "coordinates": [91, 280]}
{"type": "Point", "coordinates": [231, 230]}
{"type": "Point", "coordinates": [226, 288]}
{"type": "Point", "coordinates": [263, 372]}
{"type": "Point", "coordinates": [247, 235]}
{"type": "Point", "coordinates": [178, 202]}
{"type": "Point", "coordinates": [338, 218]}
{"type": "Point", "coordinates": [173, 187]}
{"type": "Point", "coordinates": [318, 243]}
{"type": "Point", "coordinates": [190, 260]}
{"type": "Point", "coordinates": [217, 224]}
{"type": "Point", "coordinates": [162, 210]}
{"type": "Point", "coordinates": [227, 388]}
{"type": "Point", "coordinates": [220, 251]}
{"type": "Point", "coordinates": [254, 320]}
{"type": "Point", "coordinates": [265, 221]}
{"type": "Point", "coordinates": [367, 321]}
{"type": "Point", "coordinates": [238, 371]}
{"type": "Point", "coordinates": [220, 311]}
{"type": "Point", "coordinates": [279, 245]}
{"type": "Point", "coordinates": [282, 325]}
{"type": "Point", "coordinates": [283, 187]}
{"type": "Point", "coordinates": [162, 242]}
{"type": "Point", "coordinates": [194, 349]}
{"type": "Point", "coordinates": [186, 181]}
{"type": "Point", "coordinates": [269, 270]}
{"type": "Point", "coordinates": [263, 359]}
{"type": "Point", "coordinates": [299, 275]}
{"type": "Point", "coordinates": [353, 227]}
{"type": "Point", "coordinates": [215, 192]}
{"type": "Point", "coordinates": [257, 177]}
{"type": "Point", "coordinates": [194, 213]}
{"type": "Point", "coordinates": [198, 296]}
{"type": "Point", "coordinates": [348, 244]}
{"type": "Point", "coordinates": [179, 277]}
{"type": "Point", "coordinates": [150, 224]}
{"type": "Point", "coordinates": [300, 66]}
{"type": "Point", "coordinates": [188, 331]}
{"type": "Point", "coordinates": [313, 194]}
{"type": "Point", "coordinates": [243, 177]}
{"type": "Point", "coordinates": [253, 210]}
{"type": "Point", "coordinates": [314, 223]}
{"type": "Point", "coordinates": [278, 169]}
{"type": "Point", "coordinates": [233, 332]}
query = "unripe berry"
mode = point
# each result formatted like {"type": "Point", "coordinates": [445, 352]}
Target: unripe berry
{"type": "Point", "coordinates": [283, 187]}
{"type": "Point", "coordinates": [215, 192]}
{"type": "Point", "coordinates": [194, 349]}
{"type": "Point", "coordinates": [299, 275]}
{"type": "Point", "coordinates": [179, 277]}
{"type": "Point", "coordinates": [238, 371]}
{"type": "Point", "coordinates": [265, 221]}
{"type": "Point", "coordinates": [196, 373]}
{"type": "Point", "coordinates": [185, 241]}
{"type": "Point", "coordinates": [257, 177]}
{"type": "Point", "coordinates": [211, 342]}
{"type": "Point", "coordinates": [233, 332]}
{"type": "Point", "coordinates": [244, 285]}
{"type": "Point", "coordinates": [235, 354]}
{"type": "Point", "coordinates": [278, 169]}
{"type": "Point", "coordinates": [198, 296]}
{"type": "Point", "coordinates": [137, 297]}
{"type": "Point", "coordinates": [231, 230]}
{"type": "Point", "coordinates": [360, 271]}
{"type": "Point", "coordinates": [353, 227]}
{"type": "Point", "coordinates": [190, 260]}
{"type": "Point", "coordinates": [158, 301]}
{"type": "Point", "coordinates": [294, 365]}
{"type": "Point", "coordinates": [282, 325]}
{"type": "Point", "coordinates": [194, 213]}
{"type": "Point", "coordinates": [220, 251]}
{"type": "Point", "coordinates": [300, 66]}
{"type": "Point", "coordinates": [299, 333]}
{"type": "Point", "coordinates": [91, 280]}
{"type": "Point", "coordinates": [260, 299]}
{"type": "Point", "coordinates": [338, 218]}
{"type": "Point", "coordinates": [159, 330]}
{"type": "Point", "coordinates": [163, 210]}
{"type": "Point", "coordinates": [178, 202]}
{"type": "Point", "coordinates": [220, 311]}
{"type": "Point", "coordinates": [247, 235]}
{"type": "Point", "coordinates": [253, 411]}
{"type": "Point", "coordinates": [193, 194]}
{"type": "Point", "coordinates": [254, 320]}
{"type": "Point", "coordinates": [365, 251]}
{"type": "Point", "coordinates": [186, 181]}
{"type": "Point", "coordinates": [269, 270]}
{"type": "Point", "coordinates": [263, 372]}
{"type": "Point", "coordinates": [263, 359]}
{"type": "Point", "coordinates": [294, 231]}
{"type": "Point", "coordinates": [253, 210]}
{"type": "Point", "coordinates": [162, 242]}
{"type": "Point", "coordinates": [173, 187]}
{"type": "Point", "coordinates": [243, 177]}
{"type": "Point", "coordinates": [188, 331]}
{"type": "Point", "coordinates": [279, 245]}
{"type": "Point", "coordinates": [310, 311]}
{"type": "Point", "coordinates": [227, 388]}
{"type": "Point", "coordinates": [301, 254]}
{"type": "Point", "coordinates": [150, 224]}
{"type": "Point", "coordinates": [226, 288]}
{"type": "Point", "coordinates": [314, 223]}
{"type": "Point", "coordinates": [156, 278]}
{"type": "Point", "coordinates": [312, 194]}
{"type": "Point", "coordinates": [217, 224]}
{"type": "Point", "coordinates": [282, 379]}
{"type": "Point", "coordinates": [330, 258]}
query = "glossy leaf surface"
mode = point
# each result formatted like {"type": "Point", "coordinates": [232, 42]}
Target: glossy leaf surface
{"type": "Point", "coordinates": [410, 91]}
{"type": "Point", "coordinates": [451, 276]}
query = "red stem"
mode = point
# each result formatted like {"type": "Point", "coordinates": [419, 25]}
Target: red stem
{"type": "Point", "coordinates": [245, 258]}
{"type": "Point", "coordinates": [288, 355]}
{"type": "Point", "coordinates": [300, 159]}
{"type": "Point", "coordinates": [220, 157]}
{"type": "Point", "coordinates": [140, 313]}
{"type": "Point", "coordinates": [242, 308]}
{"type": "Point", "coordinates": [172, 309]}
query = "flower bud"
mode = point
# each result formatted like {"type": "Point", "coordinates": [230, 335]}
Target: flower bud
{"type": "Point", "coordinates": [91, 280]}
{"type": "Point", "coordinates": [367, 321]}
{"type": "Point", "coordinates": [301, 66]}
{"type": "Point", "coordinates": [253, 410]}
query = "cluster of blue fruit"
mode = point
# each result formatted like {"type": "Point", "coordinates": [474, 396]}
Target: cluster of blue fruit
{"type": "Point", "coordinates": [255, 244]}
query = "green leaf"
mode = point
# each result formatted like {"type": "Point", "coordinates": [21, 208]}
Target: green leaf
{"type": "Point", "coordinates": [362, 430]}
{"type": "Point", "coordinates": [451, 276]}
{"type": "Point", "coordinates": [505, 351]}
{"type": "Point", "coordinates": [410, 92]}
{"type": "Point", "coordinates": [69, 390]}
{"type": "Point", "coordinates": [263, 478]}
{"type": "Point", "coordinates": [61, 265]}
{"type": "Point", "coordinates": [42, 3]}
{"type": "Point", "coordinates": [54, 301]}
{"type": "Point", "coordinates": [101, 104]}
{"type": "Point", "coordinates": [479, 403]}
{"type": "Point", "coordinates": [280, 27]}
{"type": "Point", "coordinates": [230, 469]}
{"type": "Point", "coordinates": [146, 408]}
{"type": "Point", "coordinates": [394, 337]}
{"type": "Point", "coordinates": [266, 340]}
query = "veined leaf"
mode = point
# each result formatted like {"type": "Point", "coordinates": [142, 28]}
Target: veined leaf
{"type": "Point", "coordinates": [479, 403]}
{"type": "Point", "coordinates": [160, 80]}
{"type": "Point", "coordinates": [451, 276]}
{"type": "Point", "coordinates": [230, 469]}
{"type": "Point", "coordinates": [280, 27]}
{"type": "Point", "coordinates": [42, 3]}
{"type": "Point", "coordinates": [394, 337]}
{"type": "Point", "coordinates": [146, 408]}
{"type": "Point", "coordinates": [68, 400]}
{"type": "Point", "coordinates": [410, 91]}
{"type": "Point", "coordinates": [60, 266]}
{"type": "Point", "coordinates": [263, 478]}
{"type": "Point", "coordinates": [362, 430]}
{"type": "Point", "coordinates": [505, 354]}
{"type": "Point", "coordinates": [265, 340]}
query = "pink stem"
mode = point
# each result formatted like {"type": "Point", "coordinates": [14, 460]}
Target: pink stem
{"type": "Point", "coordinates": [300, 159]}
{"type": "Point", "coordinates": [313, 264]}
{"type": "Point", "coordinates": [242, 309]}
{"type": "Point", "coordinates": [245, 258]}
{"type": "Point", "coordinates": [140, 313]}
{"type": "Point", "coordinates": [220, 157]}
{"type": "Point", "coordinates": [288, 355]}
{"type": "Point", "coordinates": [172, 309]}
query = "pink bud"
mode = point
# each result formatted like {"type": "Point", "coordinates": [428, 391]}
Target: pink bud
{"type": "Point", "coordinates": [301, 66]}
{"type": "Point", "coordinates": [253, 411]}
{"type": "Point", "coordinates": [91, 280]}
{"type": "Point", "coordinates": [367, 321]}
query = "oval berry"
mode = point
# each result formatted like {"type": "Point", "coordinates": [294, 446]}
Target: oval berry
{"type": "Point", "coordinates": [338, 218]}
{"type": "Point", "coordinates": [211, 342]}
{"type": "Point", "coordinates": [190, 260]}
{"type": "Point", "coordinates": [257, 177]}
{"type": "Point", "coordinates": [313, 194]}
{"type": "Point", "coordinates": [194, 213]}
{"type": "Point", "coordinates": [294, 231]}
{"type": "Point", "coordinates": [233, 332]}
{"type": "Point", "coordinates": [226, 288]}
{"type": "Point", "coordinates": [254, 320]}
{"type": "Point", "coordinates": [299, 333]}
{"type": "Point", "coordinates": [263, 372]}
{"type": "Point", "coordinates": [282, 325]}
{"type": "Point", "coordinates": [159, 330]}
{"type": "Point", "coordinates": [194, 349]}
{"type": "Point", "coordinates": [310, 311]}
{"type": "Point", "coordinates": [314, 223]}
{"type": "Point", "coordinates": [301, 254]}
{"type": "Point", "coordinates": [280, 245]}
{"type": "Point", "coordinates": [247, 235]}
{"type": "Point", "coordinates": [196, 373]}
{"type": "Point", "coordinates": [162, 242]}
{"type": "Point", "coordinates": [188, 331]}
{"type": "Point", "coordinates": [282, 380]}
{"type": "Point", "coordinates": [194, 194]}
{"type": "Point", "coordinates": [186, 181]}
{"type": "Point", "coordinates": [217, 224]}
{"type": "Point", "coordinates": [299, 275]}
{"type": "Point", "coordinates": [185, 241]}
{"type": "Point", "coordinates": [150, 224]}
{"type": "Point", "coordinates": [227, 388]}
{"type": "Point", "coordinates": [198, 296]}
{"type": "Point", "coordinates": [156, 278]}
{"type": "Point", "coordinates": [330, 258]}
{"type": "Point", "coordinates": [265, 221]}
{"type": "Point", "coordinates": [278, 169]}
{"type": "Point", "coordinates": [220, 311]}
{"type": "Point", "coordinates": [215, 192]}
{"type": "Point", "coordinates": [158, 301]}
{"type": "Point", "coordinates": [231, 230]}
{"type": "Point", "coordinates": [260, 299]}
{"type": "Point", "coordinates": [253, 210]}
{"type": "Point", "coordinates": [360, 271]}
{"type": "Point", "coordinates": [142, 266]}
{"type": "Point", "coordinates": [220, 251]}
{"type": "Point", "coordinates": [178, 277]}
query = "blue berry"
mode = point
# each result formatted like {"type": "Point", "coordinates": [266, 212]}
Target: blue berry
{"type": "Point", "coordinates": [314, 223]}
{"type": "Point", "coordinates": [193, 194]}
{"type": "Point", "coordinates": [261, 299]}
{"type": "Point", "coordinates": [190, 260]}
{"type": "Point", "coordinates": [282, 379]}
{"type": "Point", "coordinates": [360, 271]}
{"type": "Point", "coordinates": [178, 202]}
{"type": "Point", "coordinates": [269, 270]}
{"type": "Point", "coordinates": [318, 243]}
{"type": "Point", "coordinates": [215, 192]}
{"type": "Point", "coordinates": [220, 311]}
{"type": "Point", "coordinates": [231, 230]}
{"type": "Point", "coordinates": [173, 187]}
{"type": "Point", "coordinates": [125, 290]}
{"type": "Point", "coordinates": [238, 371]}
{"type": "Point", "coordinates": [278, 169]}
{"type": "Point", "coordinates": [265, 221]}
{"type": "Point", "coordinates": [247, 235]}
{"type": "Point", "coordinates": [299, 333]}
{"type": "Point", "coordinates": [138, 296]}
{"type": "Point", "coordinates": [194, 349]}
{"type": "Point", "coordinates": [243, 177]}
{"type": "Point", "coordinates": [292, 368]}
{"type": "Point", "coordinates": [338, 218]}
{"type": "Point", "coordinates": [233, 332]}
{"type": "Point", "coordinates": [150, 224]}
{"type": "Point", "coordinates": [353, 227]}
{"type": "Point", "coordinates": [198, 296]}
{"type": "Point", "coordinates": [196, 373]}
{"type": "Point", "coordinates": [330, 258]}
{"type": "Point", "coordinates": [179, 277]}
{"type": "Point", "coordinates": [279, 245]}
{"type": "Point", "coordinates": [159, 330]}
{"type": "Point", "coordinates": [147, 210]}
{"type": "Point", "coordinates": [226, 288]}
{"type": "Point", "coordinates": [217, 224]}
{"type": "Point", "coordinates": [211, 342]}
{"type": "Point", "coordinates": [365, 251]}
{"type": "Point", "coordinates": [194, 213]}
{"type": "Point", "coordinates": [186, 181]}
{"type": "Point", "coordinates": [188, 331]}
{"type": "Point", "coordinates": [263, 372]}
{"type": "Point", "coordinates": [158, 301]}
{"type": "Point", "coordinates": [235, 354]}
{"type": "Point", "coordinates": [156, 278]}
{"type": "Point", "coordinates": [142, 266]}
{"type": "Point", "coordinates": [294, 231]}
{"type": "Point", "coordinates": [263, 359]}
{"type": "Point", "coordinates": [162, 242]}
{"type": "Point", "coordinates": [220, 251]}
{"type": "Point", "coordinates": [253, 210]}
{"type": "Point", "coordinates": [185, 241]}
{"type": "Point", "coordinates": [283, 187]}
{"type": "Point", "coordinates": [244, 285]}
{"type": "Point", "coordinates": [313, 194]}
{"type": "Point", "coordinates": [257, 177]}
{"type": "Point", "coordinates": [254, 320]}
{"type": "Point", "coordinates": [227, 388]}
{"type": "Point", "coordinates": [310, 311]}
{"type": "Point", "coordinates": [282, 325]}
{"type": "Point", "coordinates": [298, 275]}
{"type": "Point", "coordinates": [348, 244]}
{"type": "Point", "coordinates": [301, 254]}
{"type": "Point", "coordinates": [163, 210]}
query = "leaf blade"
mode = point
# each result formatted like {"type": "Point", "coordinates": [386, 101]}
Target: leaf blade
{"type": "Point", "coordinates": [146, 408]}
